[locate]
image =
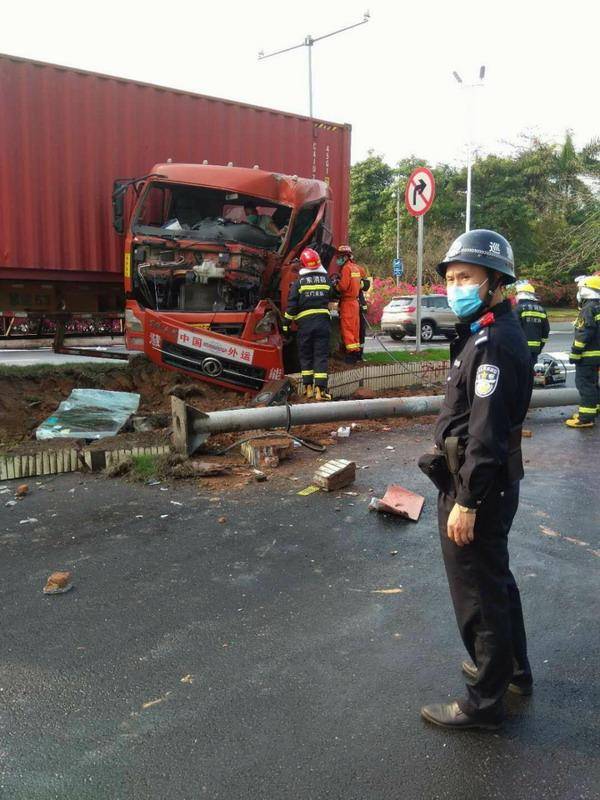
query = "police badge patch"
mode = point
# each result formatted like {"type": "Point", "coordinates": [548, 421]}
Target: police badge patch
{"type": "Point", "coordinates": [486, 380]}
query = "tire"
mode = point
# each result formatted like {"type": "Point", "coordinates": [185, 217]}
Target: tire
{"type": "Point", "coordinates": [427, 331]}
{"type": "Point", "coordinates": [397, 337]}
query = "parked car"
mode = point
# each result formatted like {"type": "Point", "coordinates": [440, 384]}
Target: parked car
{"type": "Point", "coordinates": [399, 317]}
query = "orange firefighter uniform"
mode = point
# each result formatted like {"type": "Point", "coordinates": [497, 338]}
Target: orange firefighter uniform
{"type": "Point", "coordinates": [348, 287]}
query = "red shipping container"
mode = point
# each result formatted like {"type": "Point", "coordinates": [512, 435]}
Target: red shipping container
{"type": "Point", "coordinates": [66, 134]}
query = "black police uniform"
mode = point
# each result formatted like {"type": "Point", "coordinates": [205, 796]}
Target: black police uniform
{"type": "Point", "coordinates": [487, 396]}
{"type": "Point", "coordinates": [534, 321]}
{"type": "Point", "coordinates": [308, 306]}
{"type": "Point", "coordinates": [585, 354]}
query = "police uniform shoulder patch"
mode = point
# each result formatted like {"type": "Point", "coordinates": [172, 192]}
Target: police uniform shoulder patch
{"type": "Point", "coordinates": [486, 380]}
{"type": "Point", "coordinates": [482, 336]}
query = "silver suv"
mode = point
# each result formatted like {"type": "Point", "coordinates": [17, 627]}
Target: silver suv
{"type": "Point", "coordinates": [399, 317]}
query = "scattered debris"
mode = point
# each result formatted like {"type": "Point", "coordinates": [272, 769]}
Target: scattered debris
{"type": "Point", "coordinates": [175, 503]}
{"type": "Point", "coordinates": [152, 422]}
{"type": "Point", "coordinates": [187, 679]}
{"type": "Point", "coordinates": [58, 583]}
{"type": "Point", "coordinates": [335, 475]}
{"type": "Point", "coordinates": [89, 414]}
{"type": "Point", "coordinates": [222, 520]}
{"type": "Point", "coordinates": [400, 501]}
{"type": "Point", "coordinates": [22, 490]}
{"type": "Point", "coordinates": [549, 532]}
{"type": "Point", "coordinates": [199, 469]}
{"type": "Point", "coordinates": [364, 393]}
{"type": "Point", "coordinates": [343, 432]}
{"type": "Point", "coordinates": [393, 552]}
{"type": "Point", "coordinates": [184, 392]}
{"type": "Point", "coordinates": [259, 476]}
{"type": "Point", "coordinates": [267, 452]}
{"type": "Point", "coordinates": [151, 703]}
{"type": "Point", "coordinates": [389, 447]}
{"type": "Point", "coordinates": [28, 521]}
{"type": "Point", "coordinates": [526, 434]}
{"type": "Point", "coordinates": [119, 468]}
{"type": "Point", "coordinates": [10, 503]}
{"type": "Point", "coordinates": [164, 516]}
{"type": "Point", "coordinates": [387, 591]}
{"type": "Point", "coordinates": [308, 490]}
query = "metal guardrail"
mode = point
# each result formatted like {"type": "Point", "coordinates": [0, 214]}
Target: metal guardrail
{"type": "Point", "coordinates": [41, 324]}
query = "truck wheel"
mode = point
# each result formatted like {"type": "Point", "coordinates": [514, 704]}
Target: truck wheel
{"type": "Point", "coordinates": [397, 337]}
{"type": "Point", "coordinates": [427, 331]}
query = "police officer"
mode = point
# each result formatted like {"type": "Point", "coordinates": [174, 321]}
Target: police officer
{"type": "Point", "coordinates": [308, 306]}
{"type": "Point", "coordinates": [478, 469]}
{"type": "Point", "coordinates": [533, 319]}
{"type": "Point", "coordinates": [585, 352]}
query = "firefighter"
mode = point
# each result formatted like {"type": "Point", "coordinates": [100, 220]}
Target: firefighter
{"type": "Point", "coordinates": [308, 307]}
{"type": "Point", "coordinates": [585, 352]}
{"type": "Point", "coordinates": [533, 319]}
{"type": "Point", "coordinates": [348, 286]}
{"type": "Point", "coordinates": [477, 468]}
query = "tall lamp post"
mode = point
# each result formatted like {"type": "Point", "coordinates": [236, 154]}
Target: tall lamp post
{"type": "Point", "coordinates": [476, 85]}
{"type": "Point", "coordinates": [308, 42]}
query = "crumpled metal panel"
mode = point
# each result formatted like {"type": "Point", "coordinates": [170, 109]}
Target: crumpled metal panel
{"type": "Point", "coordinates": [65, 135]}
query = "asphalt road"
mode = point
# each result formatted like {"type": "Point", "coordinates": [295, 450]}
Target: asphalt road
{"type": "Point", "coordinates": [256, 658]}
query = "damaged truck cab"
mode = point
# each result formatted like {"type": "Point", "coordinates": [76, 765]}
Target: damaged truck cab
{"type": "Point", "coordinates": [210, 254]}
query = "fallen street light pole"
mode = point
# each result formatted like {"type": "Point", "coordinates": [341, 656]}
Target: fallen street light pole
{"type": "Point", "coordinates": [192, 428]}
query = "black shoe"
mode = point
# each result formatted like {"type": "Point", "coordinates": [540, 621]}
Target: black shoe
{"type": "Point", "coordinates": [524, 688]}
{"type": "Point", "coordinates": [449, 715]}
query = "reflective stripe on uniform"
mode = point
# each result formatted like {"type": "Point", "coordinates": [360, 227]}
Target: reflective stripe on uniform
{"type": "Point", "coordinates": [538, 314]}
{"type": "Point", "coordinates": [578, 344]}
{"type": "Point", "coordinates": [315, 286]}
{"type": "Point", "coordinates": [355, 274]}
{"type": "Point", "coordinates": [353, 346]}
{"type": "Point", "coordinates": [591, 354]}
{"type": "Point", "coordinates": [320, 375]}
{"type": "Point", "coordinates": [534, 344]}
{"type": "Point", "coordinates": [307, 372]}
{"type": "Point", "coordinates": [597, 317]}
{"type": "Point", "coordinates": [288, 316]}
{"type": "Point", "coordinates": [584, 410]}
{"type": "Point", "coordinates": [310, 311]}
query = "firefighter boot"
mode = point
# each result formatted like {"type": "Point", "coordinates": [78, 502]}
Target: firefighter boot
{"type": "Point", "coordinates": [321, 394]}
{"type": "Point", "coordinates": [577, 422]}
{"type": "Point", "coordinates": [309, 391]}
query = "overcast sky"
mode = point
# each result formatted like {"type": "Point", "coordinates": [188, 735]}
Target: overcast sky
{"type": "Point", "coordinates": [391, 78]}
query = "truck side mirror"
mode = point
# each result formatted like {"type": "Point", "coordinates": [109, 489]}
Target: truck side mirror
{"type": "Point", "coordinates": [118, 204]}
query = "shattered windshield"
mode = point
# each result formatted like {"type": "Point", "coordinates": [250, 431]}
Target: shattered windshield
{"type": "Point", "coordinates": [211, 215]}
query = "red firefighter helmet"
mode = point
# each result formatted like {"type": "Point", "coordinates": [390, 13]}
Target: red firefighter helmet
{"type": "Point", "coordinates": [345, 250]}
{"type": "Point", "coordinates": [310, 259]}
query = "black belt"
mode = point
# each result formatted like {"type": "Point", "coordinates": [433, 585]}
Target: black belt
{"type": "Point", "coordinates": [454, 453]}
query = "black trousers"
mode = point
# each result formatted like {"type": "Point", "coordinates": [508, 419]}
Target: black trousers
{"type": "Point", "coordinates": [586, 383]}
{"type": "Point", "coordinates": [362, 331]}
{"type": "Point", "coordinates": [486, 600]}
{"type": "Point", "coordinates": [313, 348]}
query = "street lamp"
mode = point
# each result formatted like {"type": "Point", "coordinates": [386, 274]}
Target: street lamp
{"type": "Point", "coordinates": [477, 84]}
{"type": "Point", "coordinates": [308, 42]}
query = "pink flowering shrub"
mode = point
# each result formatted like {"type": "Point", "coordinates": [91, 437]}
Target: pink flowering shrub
{"type": "Point", "coordinates": [384, 289]}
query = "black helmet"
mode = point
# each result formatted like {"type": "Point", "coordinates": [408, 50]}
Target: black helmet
{"type": "Point", "coordinates": [485, 249]}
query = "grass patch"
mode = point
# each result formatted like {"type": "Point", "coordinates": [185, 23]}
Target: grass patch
{"type": "Point", "coordinates": [144, 467]}
{"type": "Point", "coordinates": [432, 354]}
{"type": "Point", "coordinates": [561, 314]}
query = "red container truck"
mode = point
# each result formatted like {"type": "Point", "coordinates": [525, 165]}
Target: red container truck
{"type": "Point", "coordinates": [66, 135]}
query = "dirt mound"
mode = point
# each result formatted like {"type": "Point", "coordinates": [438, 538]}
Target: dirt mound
{"type": "Point", "coordinates": [29, 395]}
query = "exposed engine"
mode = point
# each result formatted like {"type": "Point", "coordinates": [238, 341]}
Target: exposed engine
{"type": "Point", "coordinates": [197, 279]}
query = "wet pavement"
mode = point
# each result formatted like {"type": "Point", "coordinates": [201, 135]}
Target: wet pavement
{"type": "Point", "coordinates": [256, 657]}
